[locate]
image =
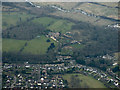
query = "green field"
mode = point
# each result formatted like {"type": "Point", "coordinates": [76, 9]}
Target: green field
{"type": "Point", "coordinates": [56, 25]}
{"type": "Point", "coordinates": [12, 18]}
{"type": "Point", "coordinates": [38, 45]}
{"type": "Point", "coordinates": [99, 10]}
{"type": "Point", "coordinates": [86, 81]}
{"type": "Point", "coordinates": [61, 26]}
{"type": "Point", "coordinates": [92, 9]}
{"type": "Point", "coordinates": [45, 21]}
{"type": "Point", "coordinates": [35, 46]}
{"type": "Point", "coordinates": [65, 5]}
{"type": "Point", "coordinates": [12, 45]}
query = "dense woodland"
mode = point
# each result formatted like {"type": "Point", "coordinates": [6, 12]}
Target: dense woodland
{"type": "Point", "coordinates": [26, 31]}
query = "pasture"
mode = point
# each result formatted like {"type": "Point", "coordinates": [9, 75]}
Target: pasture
{"type": "Point", "coordinates": [55, 25]}
{"type": "Point", "coordinates": [85, 81]}
{"type": "Point", "coordinates": [10, 19]}
{"type": "Point", "coordinates": [34, 46]}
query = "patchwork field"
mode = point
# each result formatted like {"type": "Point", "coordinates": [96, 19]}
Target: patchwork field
{"type": "Point", "coordinates": [84, 18]}
{"type": "Point", "coordinates": [107, 9]}
{"type": "Point", "coordinates": [35, 46]}
{"type": "Point", "coordinates": [53, 24]}
{"type": "Point", "coordinates": [61, 26]}
{"type": "Point", "coordinates": [99, 9]}
{"type": "Point", "coordinates": [13, 18]}
{"type": "Point", "coordinates": [38, 45]}
{"type": "Point", "coordinates": [60, 4]}
{"type": "Point", "coordinates": [45, 21]}
{"type": "Point", "coordinates": [54, 32]}
{"type": "Point", "coordinates": [85, 81]}
{"type": "Point", "coordinates": [12, 45]}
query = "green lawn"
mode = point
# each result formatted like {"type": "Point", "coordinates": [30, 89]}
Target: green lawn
{"type": "Point", "coordinates": [12, 18]}
{"type": "Point", "coordinates": [86, 81]}
{"type": "Point", "coordinates": [35, 46]}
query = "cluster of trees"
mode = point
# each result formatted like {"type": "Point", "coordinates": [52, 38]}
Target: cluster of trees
{"type": "Point", "coordinates": [90, 59]}
{"type": "Point", "coordinates": [97, 41]}
{"type": "Point", "coordinates": [102, 40]}
{"type": "Point", "coordinates": [75, 82]}
{"type": "Point", "coordinates": [13, 57]}
{"type": "Point", "coordinates": [8, 4]}
{"type": "Point", "coordinates": [25, 31]}
{"type": "Point", "coordinates": [51, 46]}
{"type": "Point", "coordinates": [23, 47]}
{"type": "Point", "coordinates": [116, 69]}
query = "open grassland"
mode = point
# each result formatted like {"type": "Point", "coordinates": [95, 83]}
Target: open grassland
{"type": "Point", "coordinates": [86, 81]}
{"type": "Point", "coordinates": [65, 5]}
{"type": "Point", "coordinates": [13, 18]}
{"type": "Point", "coordinates": [111, 4]}
{"type": "Point", "coordinates": [38, 45]}
{"type": "Point", "coordinates": [103, 9]}
{"type": "Point", "coordinates": [34, 46]}
{"type": "Point", "coordinates": [55, 25]}
{"type": "Point", "coordinates": [61, 26]}
{"type": "Point", "coordinates": [84, 18]}
{"type": "Point", "coordinates": [12, 45]}
{"type": "Point", "coordinates": [45, 21]}
{"type": "Point", "coordinates": [99, 10]}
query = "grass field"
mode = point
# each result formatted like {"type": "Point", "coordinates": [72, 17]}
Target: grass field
{"type": "Point", "coordinates": [45, 21]}
{"type": "Point", "coordinates": [56, 25]}
{"type": "Point", "coordinates": [90, 8]}
{"type": "Point", "coordinates": [65, 5]}
{"type": "Point", "coordinates": [12, 18]}
{"type": "Point", "coordinates": [111, 4]}
{"type": "Point", "coordinates": [86, 81]}
{"type": "Point", "coordinates": [61, 26]}
{"type": "Point", "coordinates": [12, 45]}
{"type": "Point", "coordinates": [83, 18]}
{"type": "Point", "coordinates": [35, 46]}
{"type": "Point", "coordinates": [38, 45]}
{"type": "Point", "coordinates": [100, 10]}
